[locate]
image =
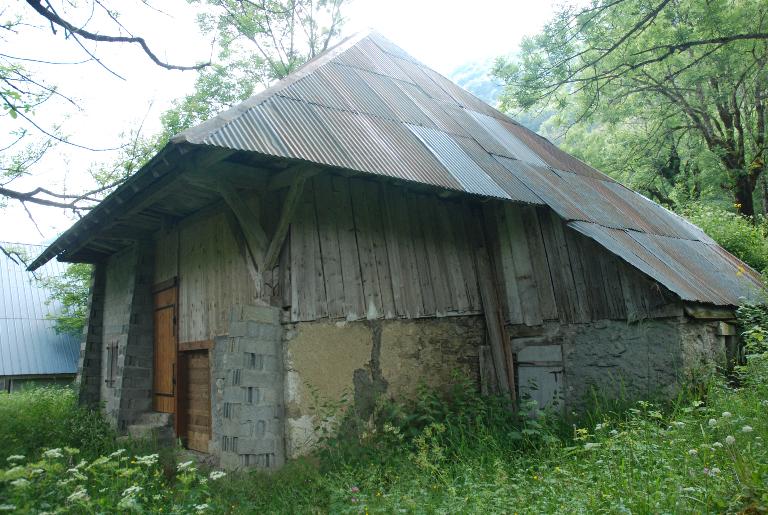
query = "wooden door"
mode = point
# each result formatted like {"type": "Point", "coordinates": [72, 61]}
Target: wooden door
{"type": "Point", "coordinates": [195, 401]}
{"type": "Point", "coordinates": [540, 375]}
{"type": "Point", "coordinates": [164, 384]}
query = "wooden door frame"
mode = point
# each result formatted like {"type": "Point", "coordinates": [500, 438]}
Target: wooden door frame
{"type": "Point", "coordinates": [172, 283]}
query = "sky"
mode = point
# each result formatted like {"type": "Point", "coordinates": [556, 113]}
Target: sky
{"type": "Point", "coordinates": [443, 34]}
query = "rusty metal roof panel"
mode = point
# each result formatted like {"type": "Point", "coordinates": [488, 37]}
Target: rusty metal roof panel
{"type": "Point", "coordinates": [254, 130]}
{"type": "Point", "coordinates": [316, 90]}
{"type": "Point", "coordinates": [383, 63]}
{"type": "Point", "coordinates": [354, 90]}
{"type": "Point", "coordinates": [513, 186]}
{"type": "Point", "coordinates": [419, 77]}
{"type": "Point", "coordinates": [436, 111]}
{"type": "Point", "coordinates": [545, 184]}
{"type": "Point", "coordinates": [500, 132]}
{"type": "Point", "coordinates": [401, 104]}
{"type": "Point", "coordinates": [471, 177]}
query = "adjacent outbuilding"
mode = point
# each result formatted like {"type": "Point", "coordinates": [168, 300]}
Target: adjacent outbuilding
{"type": "Point", "coordinates": [361, 227]}
{"type": "Point", "coordinates": [32, 353]}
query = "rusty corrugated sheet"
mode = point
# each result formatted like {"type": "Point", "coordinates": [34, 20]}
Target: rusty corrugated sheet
{"type": "Point", "coordinates": [366, 105]}
{"type": "Point", "coordinates": [472, 178]}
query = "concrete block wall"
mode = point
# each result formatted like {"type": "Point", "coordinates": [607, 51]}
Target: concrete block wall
{"type": "Point", "coordinates": [128, 313]}
{"type": "Point", "coordinates": [247, 396]}
{"type": "Point", "coordinates": [89, 377]}
{"type": "Point", "coordinates": [136, 359]}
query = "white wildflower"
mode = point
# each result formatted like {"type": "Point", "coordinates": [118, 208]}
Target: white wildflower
{"type": "Point", "coordinates": [730, 440]}
{"type": "Point", "coordinates": [712, 422]}
{"type": "Point", "coordinates": [37, 472]}
{"type": "Point", "coordinates": [129, 503]}
{"type": "Point", "coordinates": [53, 453]}
{"type": "Point", "coordinates": [693, 452]}
{"type": "Point", "coordinates": [678, 424]}
{"type": "Point", "coordinates": [614, 432]}
{"type": "Point", "coordinates": [7, 507]}
{"type": "Point", "coordinates": [132, 490]}
{"type": "Point", "coordinates": [727, 414]}
{"type": "Point", "coordinates": [200, 508]}
{"type": "Point", "coordinates": [217, 474]}
{"type": "Point", "coordinates": [81, 494]}
{"type": "Point", "coordinates": [20, 483]}
{"type": "Point", "coordinates": [598, 427]}
{"type": "Point", "coordinates": [149, 459]}
{"type": "Point", "coordinates": [116, 453]}
{"type": "Point", "coordinates": [717, 445]}
{"type": "Point", "coordinates": [591, 445]}
{"type": "Point", "coordinates": [15, 470]}
{"type": "Point", "coordinates": [184, 466]}
{"type": "Point", "coordinates": [746, 429]}
{"type": "Point", "coordinates": [15, 457]}
{"type": "Point", "coordinates": [715, 471]}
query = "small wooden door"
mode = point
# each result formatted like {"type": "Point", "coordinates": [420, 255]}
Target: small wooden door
{"type": "Point", "coordinates": [195, 401]}
{"type": "Point", "coordinates": [540, 375]}
{"type": "Point", "coordinates": [164, 385]}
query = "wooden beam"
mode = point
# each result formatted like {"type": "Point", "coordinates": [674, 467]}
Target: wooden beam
{"type": "Point", "coordinates": [286, 178]}
{"type": "Point", "coordinates": [286, 217]}
{"type": "Point", "coordinates": [159, 189]}
{"type": "Point", "coordinates": [255, 237]}
{"type": "Point", "coordinates": [494, 319]}
{"type": "Point", "coordinates": [705, 312]}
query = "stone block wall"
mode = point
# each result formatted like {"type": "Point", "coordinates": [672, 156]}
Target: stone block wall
{"type": "Point", "coordinates": [247, 396]}
{"type": "Point", "coordinates": [326, 360]}
{"type": "Point", "coordinates": [639, 360]}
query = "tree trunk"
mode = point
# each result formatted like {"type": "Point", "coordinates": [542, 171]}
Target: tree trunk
{"type": "Point", "coordinates": [742, 195]}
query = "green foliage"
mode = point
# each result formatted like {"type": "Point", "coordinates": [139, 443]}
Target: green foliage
{"type": "Point", "coordinates": [51, 417]}
{"type": "Point", "coordinates": [71, 290]}
{"type": "Point", "coordinates": [746, 240]}
{"type": "Point", "coordinates": [667, 96]}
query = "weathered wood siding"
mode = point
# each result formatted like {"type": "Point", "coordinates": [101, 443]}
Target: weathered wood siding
{"type": "Point", "coordinates": [209, 258]}
{"type": "Point", "coordinates": [362, 249]}
{"type": "Point", "coordinates": [554, 273]}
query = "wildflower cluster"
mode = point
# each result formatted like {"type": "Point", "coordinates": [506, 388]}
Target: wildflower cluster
{"type": "Point", "coordinates": [132, 484]}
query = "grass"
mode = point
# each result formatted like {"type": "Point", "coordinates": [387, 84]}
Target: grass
{"type": "Point", "coordinates": [443, 453]}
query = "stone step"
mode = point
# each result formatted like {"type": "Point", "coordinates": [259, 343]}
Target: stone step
{"type": "Point", "coordinates": [149, 431]}
{"type": "Point", "coordinates": [155, 418]}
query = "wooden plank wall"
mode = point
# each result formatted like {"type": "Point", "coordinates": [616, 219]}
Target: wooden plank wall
{"type": "Point", "coordinates": [554, 273]}
{"type": "Point", "coordinates": [362, 249]}
{"type": "Point", "coordinates": [208, 256]}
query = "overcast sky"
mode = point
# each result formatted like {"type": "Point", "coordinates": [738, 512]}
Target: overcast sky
{"type": "Point", "coordinates": [443, 34]}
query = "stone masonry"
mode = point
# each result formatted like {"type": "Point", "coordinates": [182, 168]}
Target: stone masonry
{"type": "Point", "coordinates": [247, 396]}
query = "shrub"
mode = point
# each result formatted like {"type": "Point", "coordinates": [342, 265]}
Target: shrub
{"type": "Point", "coordinates": [738, 235]}
{"type": "Point", "coordinates": [49, 417]}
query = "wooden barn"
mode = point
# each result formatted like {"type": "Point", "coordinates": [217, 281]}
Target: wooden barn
{"type": "Point", "coordinates": [365, 225]}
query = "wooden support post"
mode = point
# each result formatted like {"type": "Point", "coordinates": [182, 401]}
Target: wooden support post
{"type": "Point", "coordinates": [286, 216]}
{"type": "Point", "coordinates": [494, 319]}
{"type": "Point", "coordinates": [255, 238]}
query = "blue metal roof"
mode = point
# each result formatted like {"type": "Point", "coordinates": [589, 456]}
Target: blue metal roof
{"type": "Point", "coordinates": [28, 343]}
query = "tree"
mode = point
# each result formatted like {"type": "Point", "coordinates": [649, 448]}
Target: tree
{"type": "Point", "coordinates": [23, 94]}
{"type": "Point", "coordinates": [690, 73]}
{"type": "Point", "coordinates": [71, 290]}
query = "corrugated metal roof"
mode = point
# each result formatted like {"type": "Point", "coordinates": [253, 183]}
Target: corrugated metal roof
{"type": "Point", "coordinates": [28, 343]}
{"type": "Point", "coordinates": [368, 106]}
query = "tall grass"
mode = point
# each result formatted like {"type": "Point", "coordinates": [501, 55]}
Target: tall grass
{"type": "Point", "coordinates": [49, 417]}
